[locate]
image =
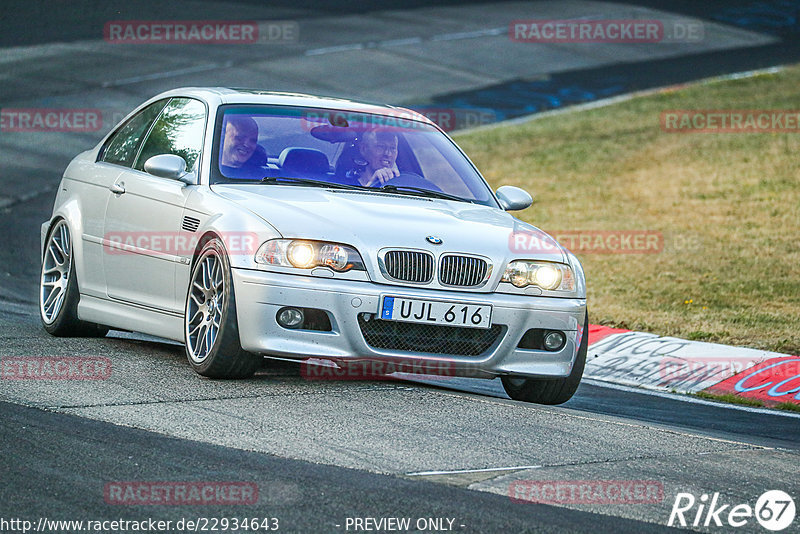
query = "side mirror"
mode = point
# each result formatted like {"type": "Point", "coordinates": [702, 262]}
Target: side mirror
{"type": "Point", "coordinates": [169, 166]}
{"type": "Point", "coordinates": [513, 198]}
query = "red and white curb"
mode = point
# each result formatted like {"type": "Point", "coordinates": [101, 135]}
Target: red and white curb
{"type": "Point", "coordinates": [652, 362]}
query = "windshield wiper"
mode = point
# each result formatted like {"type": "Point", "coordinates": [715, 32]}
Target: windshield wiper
{"type": "Point", "coordinates": [421, 191]}
{"type": "Point", "coordinates": [308, 181]}
{"type": "Point", "coordinates": [398, 189]}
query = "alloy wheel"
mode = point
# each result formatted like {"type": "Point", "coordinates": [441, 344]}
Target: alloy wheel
{"type": "Point", "coordinates": [56, 267]}
{"type": "Point", "coordinates": [205, 307]}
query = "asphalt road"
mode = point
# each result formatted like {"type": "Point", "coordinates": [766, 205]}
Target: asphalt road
{"type": "Point", "coordinates": [73, 458]}
{"type": "Point", "coordinates": [323, 451]}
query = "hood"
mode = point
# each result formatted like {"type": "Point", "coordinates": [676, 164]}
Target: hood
{"type": "Point", "coordinates": [373, 221]}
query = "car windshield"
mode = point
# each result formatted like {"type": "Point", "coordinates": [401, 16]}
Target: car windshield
{"type": "Point", "coordinates": [315, 147]}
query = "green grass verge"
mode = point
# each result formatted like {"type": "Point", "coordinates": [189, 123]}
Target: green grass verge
{"type": "Point", "coordinates": [729, 398]}
{"type": "Point", "coordinates": [728, 206]}
{"type": "Point", "coordinates": [788, 406]}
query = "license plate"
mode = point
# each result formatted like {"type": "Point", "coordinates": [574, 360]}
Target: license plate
{"type": "Point", "coordinates": [436, 312]}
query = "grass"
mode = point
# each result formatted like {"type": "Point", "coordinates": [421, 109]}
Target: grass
{"type": "Point", "coordinates": [728, 206]}
{"type": "Point", "coordinates": [788, 406]}
{"type": "Point", "coordinates": [730, 398]}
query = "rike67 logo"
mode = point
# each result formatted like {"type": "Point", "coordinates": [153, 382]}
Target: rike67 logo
{"type": "Point", "coordinates": [774, 511]}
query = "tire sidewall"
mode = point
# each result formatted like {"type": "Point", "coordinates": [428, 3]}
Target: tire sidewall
{"type": "Point", "coordinates": [533, 389]}
{"type": "Point", "coordinates": [68, 313]}
{"type": "Point", "coordinates": [228, 333]}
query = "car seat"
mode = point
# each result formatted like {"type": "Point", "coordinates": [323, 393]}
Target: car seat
{"type": "Point", "coordinates": [303, 161]}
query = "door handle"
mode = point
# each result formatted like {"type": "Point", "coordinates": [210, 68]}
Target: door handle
{"type": "Point", "coordinates": [117, 189]}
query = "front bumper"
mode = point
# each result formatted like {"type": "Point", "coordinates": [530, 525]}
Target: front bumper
{"type": "Point", "coordinates": [260, 294]}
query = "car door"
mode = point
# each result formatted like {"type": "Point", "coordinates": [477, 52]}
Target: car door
{"type": "Point", "coordinates": [143, 213]}
{"type": "Point", "coordinates": [93, 179]}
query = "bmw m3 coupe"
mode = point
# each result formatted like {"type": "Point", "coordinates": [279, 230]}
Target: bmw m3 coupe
{"type": "Point", "coordinates": [249, 224]}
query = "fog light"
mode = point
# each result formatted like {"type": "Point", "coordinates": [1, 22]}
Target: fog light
{"type": "Point", "coordinates": [290, 317]}
{"type": "Point", "coordinates": [554, 340]}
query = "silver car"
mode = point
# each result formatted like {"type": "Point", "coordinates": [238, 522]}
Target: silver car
{"type": "Point", "coordinates": [247, 224]}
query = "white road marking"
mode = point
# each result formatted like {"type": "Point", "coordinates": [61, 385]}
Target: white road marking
{"type": "Point", "coordinates": [686, 398]}
{"type": "Point", "coordinates": [489, 32]}
{"type": "Point", "coordinates": [7, 202]}
{"type": "Point", "coordinates": [467, 388]}
{"type": "Point", "coordinates": [611, 419]}
{"type": "Point", "coordinates": [485, 470]}
{"type": "Point", "coordinates": [603, 102]}
{"type": "Point", "coordinates": [402, 42]}
{"type": "Point", "coordinates": [470, 35]}
{"type": "Point", "coordinates": [332, 49]}
{"type": "Point", "coordinates": [166, 74]}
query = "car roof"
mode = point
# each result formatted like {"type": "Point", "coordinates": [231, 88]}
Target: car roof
{"type": "Point", "coordinates": [228, 95]}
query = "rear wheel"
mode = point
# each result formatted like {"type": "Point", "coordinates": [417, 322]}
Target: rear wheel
{"type": "Point", "coordinates": [58, 288]}
{"type": "Point", "coordinates": [550, 390]}
{"type": "Point", "coordinates": [211, 330]}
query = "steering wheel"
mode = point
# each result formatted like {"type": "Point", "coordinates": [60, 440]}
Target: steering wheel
{"type": "Point", "coordinates": [411, 179]}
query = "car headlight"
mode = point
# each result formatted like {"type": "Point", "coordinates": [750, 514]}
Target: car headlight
{"type": "Point", "coordinates": [301, 254]}
{"type": "Point", "coordinates": [548, 276]}
{"type": "Point", "coordinates": [305, 254]}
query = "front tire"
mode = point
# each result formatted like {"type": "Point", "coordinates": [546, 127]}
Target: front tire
{"type": "Point", "coordinates": [211, 330]}
{"type": "Point", "coordinates": [550, 390]}
{"type": "Point", "coordinates": [58, 288]}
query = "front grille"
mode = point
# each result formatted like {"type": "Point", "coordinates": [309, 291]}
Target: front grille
{"type": "Point", "coordinates": [414, 337]}
{"type": "Point", "coordinates": [409, 265]}
{"type": "Point", "coordinates": [463, 271]}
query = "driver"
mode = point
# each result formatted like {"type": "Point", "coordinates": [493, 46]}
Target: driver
{"type": "Point", "coordinates": [378, 148]}
{"type": "Point", "coordinates": [240, 140]}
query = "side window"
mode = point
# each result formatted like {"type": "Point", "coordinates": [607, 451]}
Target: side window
{"type": "Point", "coordinates": [179, 130]}
{"type": "Point", "coordinates": [122, 146]}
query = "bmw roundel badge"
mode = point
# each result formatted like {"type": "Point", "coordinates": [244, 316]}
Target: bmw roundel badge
{"type": "Point", "coordinates": [433, 240]}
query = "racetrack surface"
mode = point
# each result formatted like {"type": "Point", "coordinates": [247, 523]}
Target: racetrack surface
{"type": "Point", "coordinates": [397, 428]}
{"type": "Point", "coordinates": [322, 451]}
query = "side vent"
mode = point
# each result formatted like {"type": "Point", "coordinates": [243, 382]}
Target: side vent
{"type": "Point", "coordinates": [190, 224]}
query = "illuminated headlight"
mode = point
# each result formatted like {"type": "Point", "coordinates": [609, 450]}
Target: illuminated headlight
{"type": "Point", "coordinates": [548, 276]}
{"type": "Point", "coordinates": [303, 254]}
